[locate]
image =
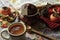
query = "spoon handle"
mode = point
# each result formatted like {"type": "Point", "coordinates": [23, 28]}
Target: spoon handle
{"type": "Point", "coordinates": [41, 34]}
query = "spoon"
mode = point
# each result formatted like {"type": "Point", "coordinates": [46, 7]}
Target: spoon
{"type": "Point", "coordinates": [40, 33]}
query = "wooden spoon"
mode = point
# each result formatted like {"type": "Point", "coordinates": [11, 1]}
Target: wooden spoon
{"type": "Point", "coordinates": [40, 33]}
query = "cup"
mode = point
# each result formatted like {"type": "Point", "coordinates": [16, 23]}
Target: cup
{"type": "Point", "coordinates": [16, 31]}
{"type": "Point", "coordinates": [29, 10]}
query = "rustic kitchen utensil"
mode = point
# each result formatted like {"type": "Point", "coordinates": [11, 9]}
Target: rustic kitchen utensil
{"type": "Point", "coordinates": [15, 31]}
{"type": "Point", "coordinates": [40, 33]}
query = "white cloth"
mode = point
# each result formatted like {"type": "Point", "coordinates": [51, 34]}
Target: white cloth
{"type": "Point", "coordinates": [18, 3]}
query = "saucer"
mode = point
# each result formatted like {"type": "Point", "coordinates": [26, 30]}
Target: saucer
{"type": "Point", "coordinates": [28, 36]}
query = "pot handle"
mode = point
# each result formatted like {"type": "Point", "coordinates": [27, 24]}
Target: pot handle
{"type": "Point", "coordinates": [4, 34]}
